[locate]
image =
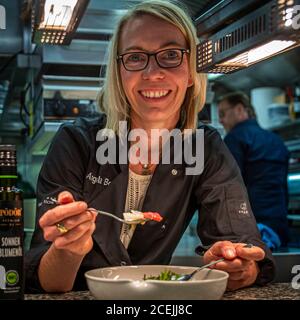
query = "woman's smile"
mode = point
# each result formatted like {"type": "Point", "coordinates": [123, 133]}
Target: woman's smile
{"type": "Point", "coordinates": [155, 96]}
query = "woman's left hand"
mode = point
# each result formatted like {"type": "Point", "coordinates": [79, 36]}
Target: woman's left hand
{"type": "Point", "coordinates": [240, 262]}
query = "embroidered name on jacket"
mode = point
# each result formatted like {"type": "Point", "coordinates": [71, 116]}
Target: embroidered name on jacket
{"type": "Point", "coordinates": [99, 179]}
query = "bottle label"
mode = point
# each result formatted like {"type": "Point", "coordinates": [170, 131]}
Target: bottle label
{"type": "Point", "coordinates": [11, 250]}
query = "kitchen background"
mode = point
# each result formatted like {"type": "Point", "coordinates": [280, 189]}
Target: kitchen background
{"type": "Point", "coordinates": [43, 85]}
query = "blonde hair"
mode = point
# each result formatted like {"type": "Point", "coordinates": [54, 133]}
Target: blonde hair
{"type": "Point", "coordinates": [112, 99]}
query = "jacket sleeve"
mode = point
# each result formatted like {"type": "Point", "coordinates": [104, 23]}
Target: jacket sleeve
{"type": "Point", "coordinates": [223, 205]}
{"type": "Point", "coordinates": [63, 169]}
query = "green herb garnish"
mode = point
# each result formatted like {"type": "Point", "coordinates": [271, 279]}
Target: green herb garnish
{"type": "Point", "coordinates": [166, 275]}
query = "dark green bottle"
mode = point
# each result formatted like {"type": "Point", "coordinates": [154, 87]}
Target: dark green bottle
{"type": "Point", "coordinates": [11, 228]}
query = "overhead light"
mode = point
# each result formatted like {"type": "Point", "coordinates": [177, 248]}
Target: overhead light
{"type": "Point", "coordinates": [264, 33]}
{"type": "Point", "coordinates": [57, 15]}
{"type": "Point", "coordinates": [55, 21]}
{"type": "Point", "coordinates": [260, 53]}
{"type": "Point", "coordinates": [294, 177]}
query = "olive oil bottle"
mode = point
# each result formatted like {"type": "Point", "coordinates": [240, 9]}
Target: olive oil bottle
{"type": "Point", "coordinates": [11, 227]}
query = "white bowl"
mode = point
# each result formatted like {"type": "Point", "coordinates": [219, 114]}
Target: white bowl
{"type": "Point", "coordinates": [126, 283]}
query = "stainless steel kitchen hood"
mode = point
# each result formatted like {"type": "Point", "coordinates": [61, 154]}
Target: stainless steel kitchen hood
{"type": "Point", "coordinates": [222, 14]}
{"type": "Point", "coordinates": [55, 22]}
{"type": "Point", "coordinates": [260, 34]}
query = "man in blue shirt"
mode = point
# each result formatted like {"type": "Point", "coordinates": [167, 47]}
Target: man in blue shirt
{"type": "Point", "coordinates": [263, 161]}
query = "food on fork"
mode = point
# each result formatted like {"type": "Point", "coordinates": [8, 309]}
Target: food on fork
{"type": "Point", "coordinates": [142, 217]}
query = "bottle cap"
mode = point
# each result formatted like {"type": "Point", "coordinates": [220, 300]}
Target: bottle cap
{"type": "Point", "coordinates": [8, 161]}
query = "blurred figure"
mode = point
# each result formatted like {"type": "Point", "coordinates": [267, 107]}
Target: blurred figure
{"type": "Point", "coordinates": [263, 161]}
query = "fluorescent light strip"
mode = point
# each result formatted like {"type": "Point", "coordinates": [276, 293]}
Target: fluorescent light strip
{"type": "Point", "coordinates": [259, 53]}
{"type": "Point", "coordinates": [71, 87]}
{"type": "Point", "coordinates": [268, 50]}
{"type": "Point", "coordinates": [294, 177]}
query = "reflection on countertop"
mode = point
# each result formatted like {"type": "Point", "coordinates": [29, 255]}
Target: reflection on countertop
{"type": "Point", "coordinates": [276, 291]}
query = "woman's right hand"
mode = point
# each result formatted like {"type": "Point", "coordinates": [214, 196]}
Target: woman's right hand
{"type": "Point", "coordinates": [74, 217]}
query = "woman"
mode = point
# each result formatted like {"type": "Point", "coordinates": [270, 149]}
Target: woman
{"type": "Point", "coordinates": [151, 83]}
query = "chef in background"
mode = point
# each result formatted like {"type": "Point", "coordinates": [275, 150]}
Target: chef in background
{"type": "Point", "coordinates": [263, 160]}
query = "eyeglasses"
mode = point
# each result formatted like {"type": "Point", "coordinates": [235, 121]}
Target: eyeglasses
{"type": "Point", "coordinates": [137, 61]}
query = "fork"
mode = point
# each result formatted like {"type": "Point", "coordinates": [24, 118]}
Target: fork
{"type": "Point", "coordinates": [108, 214]}
{"type": "Point", "coordinates": [117, 218]}
{"type": "Point", "coordinates": [186, 277]}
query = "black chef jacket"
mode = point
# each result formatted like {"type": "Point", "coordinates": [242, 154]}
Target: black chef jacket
{"type": "Point", "coordinates": [218, 193]}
